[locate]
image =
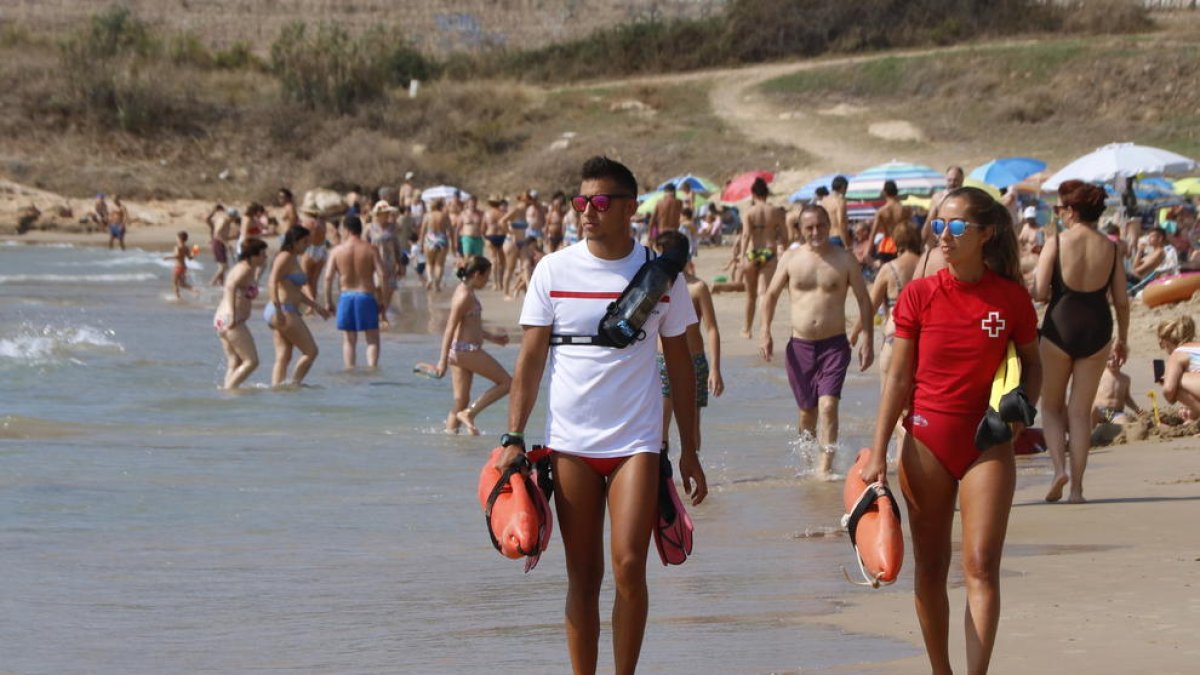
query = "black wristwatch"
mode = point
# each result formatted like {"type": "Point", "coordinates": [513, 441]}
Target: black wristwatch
{"type": "Point", "coordinates": [512, 438]}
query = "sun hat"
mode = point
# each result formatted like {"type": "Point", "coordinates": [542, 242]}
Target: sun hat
{"type": "Point", "coordinates": [382, 206]}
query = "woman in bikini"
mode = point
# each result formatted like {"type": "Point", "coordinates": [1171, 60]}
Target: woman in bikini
{"type": "Point", "coordinates": [514, 245]}
{"type": "Point", "coordinates": [764, 233]}
{"type": "Point", "coordinates": [952, 332]}
{"type": "Point", "coordinates": [241, 288]}
{"type": "Point", "coordinates": [1077, 332]}
{"type": "Point", "coordinates": [892, 278]}
{"type": "Point", "coordinates": [462, 348]}
{"type": "Point", "coordinates": [286, 292]}
{"type": "Point", "coordinates": [435, 240]}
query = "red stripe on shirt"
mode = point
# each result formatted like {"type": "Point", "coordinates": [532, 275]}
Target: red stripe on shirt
{"type": "Point", "coordinates": [594, 295]}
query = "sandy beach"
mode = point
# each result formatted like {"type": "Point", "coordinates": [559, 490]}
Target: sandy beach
{"type": "Point", "coordinates": [1103, 587]}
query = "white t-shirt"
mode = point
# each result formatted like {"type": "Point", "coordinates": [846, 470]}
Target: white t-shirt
{"type": "Point", "coordinates": [603, 401]}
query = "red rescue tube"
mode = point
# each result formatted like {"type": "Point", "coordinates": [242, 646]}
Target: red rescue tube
{"type": "Point", "coordinates": [873, 520]}
{"type": "Point", "coordinates": [517, 513]}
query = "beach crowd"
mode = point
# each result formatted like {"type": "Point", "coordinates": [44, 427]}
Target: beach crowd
{"type": "Point", "coordinates": [954, 289]}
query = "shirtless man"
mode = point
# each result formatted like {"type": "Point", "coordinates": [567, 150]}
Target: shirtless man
{"type": "Point", "coordinates": [666, 212]}
{"type": "Point", "coordinates": [1113, 396]}
{"type": "Point", "coordinates": [314, 256]}
{"type": "Point", "coordinates": [407, 189]}
{"type": "Point", "coordinates": [535, 215]}
{"type": "Point", "coordinates": [818, 277]}
{"type": "Point", "coordinates": [287, 204]}
{"type": "Point", "coordinates": [221, 222]}
{"type": "Point", "coordinates": [887, 218]}
{"type": "Point", "coordinates": [764, 236]}
{"type": "Point", "coordinates": [1029, 241]}
{"type": "Point", "coordinates": [495, 233]}
{"type": "Point", "coordinates": [954, 180]}
{"type": "Point", "coordinates": [554, 222]}
{"type": "Point", "coordinates": [99, 214]}
{"type": "Point", "coordinates": [384, 237]}
{"type": "Point", "coordinates": [117, 222]}
{"type": "Point", "coordinates": [835, 206]}
{"type": "Point", "coordinates": [470, 229]}
{"type": "Point", "coordinates": [355, 263]}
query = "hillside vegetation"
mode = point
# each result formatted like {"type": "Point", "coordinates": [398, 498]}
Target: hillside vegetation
{"type": "Point", "coordinates": [117, 105]}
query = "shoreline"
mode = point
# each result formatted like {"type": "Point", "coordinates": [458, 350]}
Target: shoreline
{"type": "Point", "coordinates": [1099, 587]}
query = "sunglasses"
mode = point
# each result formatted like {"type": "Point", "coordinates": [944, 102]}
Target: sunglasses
{"type": "Point", "coordinates": [958, 226]}
{"type": "Point", "coordinates": [601, 203]}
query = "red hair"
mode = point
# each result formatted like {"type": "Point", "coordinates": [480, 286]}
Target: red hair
{"type": "Point", "coordinates": [1085, 198]}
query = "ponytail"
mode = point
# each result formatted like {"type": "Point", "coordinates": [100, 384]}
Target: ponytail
{"type": "Point", "coordinates": [476, 264]}
{"type": "Point", "coordinates": [1179, 331]}
{"type": "Point", "coordinates": [1000, 253]}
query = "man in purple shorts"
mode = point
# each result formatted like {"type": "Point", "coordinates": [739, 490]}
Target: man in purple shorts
{"type": "Point", "coordinates": [818, 276]}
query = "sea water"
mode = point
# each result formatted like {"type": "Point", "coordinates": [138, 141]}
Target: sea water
{"type": "Point", "coordinates": [152, 523]}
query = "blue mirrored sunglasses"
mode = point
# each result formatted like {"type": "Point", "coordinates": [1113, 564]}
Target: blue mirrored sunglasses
{"type": "Point", "coordinates": [958, 226]}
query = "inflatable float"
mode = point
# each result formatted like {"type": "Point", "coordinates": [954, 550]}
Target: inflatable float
{"type": "Point", "coordinates": [515, 505]}
{"type": "Point", "coordinates": [872, 519]}
{"type": "Point", "coordinates": [1174, 288]}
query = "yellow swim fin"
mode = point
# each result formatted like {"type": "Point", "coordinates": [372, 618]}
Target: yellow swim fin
{"type": "Point", "coordinates": [1007, 377]}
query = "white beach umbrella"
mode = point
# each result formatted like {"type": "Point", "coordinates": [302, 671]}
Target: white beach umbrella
{"type": "Point", "coordinates": [445, 192]}
{"type": "Point", "coordinates": [1121, 160]}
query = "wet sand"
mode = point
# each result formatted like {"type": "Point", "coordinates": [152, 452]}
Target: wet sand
{"type": "Point", "coordinates": [1102, 587]}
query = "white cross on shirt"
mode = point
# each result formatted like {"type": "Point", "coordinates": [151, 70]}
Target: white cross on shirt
{"type": "Point", "coordinates": [993, 324]}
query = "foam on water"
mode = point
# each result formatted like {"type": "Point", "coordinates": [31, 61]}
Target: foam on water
{"type": "Point", "coordinates": [75, 278]}
{"type": "Point", "coordinates": [55, 344]}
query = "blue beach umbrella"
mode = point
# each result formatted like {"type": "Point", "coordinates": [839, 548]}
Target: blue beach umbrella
{"type": "Point", "coordinates": [809, 191]}
{"type": "Point", "coordinates": [1158, 191]}
{"type": "Point", "coordinates": [910, 179]}
{"type": "Point", "coordinates": [1007, 171]}
{"type": "Point", "coordinates": [697, 183]}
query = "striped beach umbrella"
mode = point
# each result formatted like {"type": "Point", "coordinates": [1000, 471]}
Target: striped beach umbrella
{"type": "Point", "coordinates": [1006, 171]}
{"type": "Point", "coordinates": [910, 179]}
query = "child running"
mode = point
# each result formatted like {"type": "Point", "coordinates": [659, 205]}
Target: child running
{"type": "Point", "coordinates": [180, 255]}
{"type": "Point", "coordinates": [462, 348]}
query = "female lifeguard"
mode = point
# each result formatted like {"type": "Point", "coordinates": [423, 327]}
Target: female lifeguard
{"type": "Point", "coordinates": [952, 332]}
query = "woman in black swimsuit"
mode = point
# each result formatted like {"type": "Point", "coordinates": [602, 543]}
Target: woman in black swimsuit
{"type": "Point", "coordinates": [1078, 327]}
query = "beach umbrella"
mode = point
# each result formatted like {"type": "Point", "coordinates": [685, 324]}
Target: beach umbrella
{"type": "Point", "coordinates": [910, 179]}
{"type": "Point", "coordinates": [1121, 160]}
{"type": "Point", "coordinates": [992, 190]}
{"type": "Point", "coordinates": [648, 201]}
{"type": "Point", "coordinates": [738, 188]}
{"type": "Point", "coordinates": [1187, 187]}
{"type": "Point", "coordinates": [1156, 191]}
{"type": "Point", "coordinates": [916, 202]}
{"type": "Point", "coordinates": [445, 192]}
{"type": "Point", "coordinates": [1006, 171]}
{"type": "Point", "coordinates": [809, 190]}
{"type": "Point", "coordinates": [697, 183]}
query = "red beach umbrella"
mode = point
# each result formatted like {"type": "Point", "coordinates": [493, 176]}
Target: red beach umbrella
{"type": "Point", "coordinates": [738, 188]}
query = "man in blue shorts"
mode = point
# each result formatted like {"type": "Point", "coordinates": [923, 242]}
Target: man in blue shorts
{"type": "Point", "coordinates": [355, 263]}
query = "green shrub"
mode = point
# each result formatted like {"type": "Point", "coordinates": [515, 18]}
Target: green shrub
{"type": "Point", "coordinates": [237, 57]}
{"type": "Point", "coordinates": [326, 69]}
{"type": "Point", "coordinates": [118, 32]}
{"type": "Point", "coordinates": [186, 49]}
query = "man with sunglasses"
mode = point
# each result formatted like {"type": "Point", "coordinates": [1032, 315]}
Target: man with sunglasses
{"type": "Point", "coordinates": [818, 277]}
{"type": "Point", "coordinates": [604, 411]}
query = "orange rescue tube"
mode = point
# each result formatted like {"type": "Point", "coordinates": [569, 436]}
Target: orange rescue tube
{"type": "Point", "coordinates": [873, 521]}
{"type": "Point", "coordinates": [515, 510]}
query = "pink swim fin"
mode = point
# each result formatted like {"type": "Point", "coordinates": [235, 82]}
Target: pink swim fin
{"type": "Point", "coordinates": [673, 531]}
